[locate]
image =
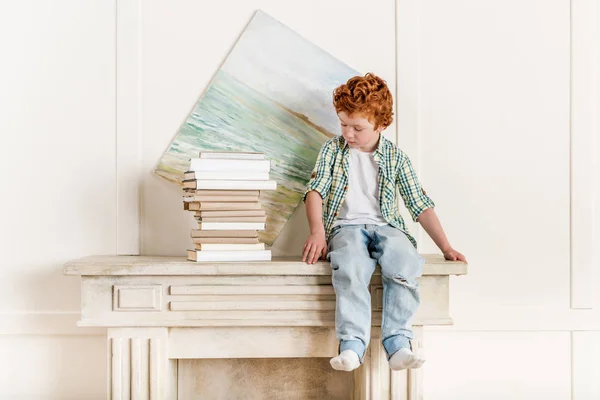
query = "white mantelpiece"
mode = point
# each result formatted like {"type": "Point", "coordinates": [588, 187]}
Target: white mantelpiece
{"type": "Point", "coordinates": [159, 310]}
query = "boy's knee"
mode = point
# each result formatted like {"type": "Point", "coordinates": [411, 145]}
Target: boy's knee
{"type": "Point", "coordinates": [409, 283]}
{"type": "Point", "coordinates": [349, 274]}
{"type": "Point", "coordinates": [403, 267]}
{"type": "Point", "coordinates": [351, 271]}
{"type": "Point", "coordinates": [348, 268]}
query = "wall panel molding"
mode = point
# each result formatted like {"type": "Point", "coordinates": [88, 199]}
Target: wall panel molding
{"type": "Point", "coordinates": [584, 178]}
{"type": "Point", "coordinates": [585, 365]}
{"type": "Point", "coordinates": [129, 126]}
{"type": "Point", "coordinates": [407, 90]}
{"type": "Point", "coordinates": [44, 323]}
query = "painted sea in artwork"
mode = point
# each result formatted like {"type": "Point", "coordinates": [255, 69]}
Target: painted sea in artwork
{"type": "Point", "coordinates": [272, 95]}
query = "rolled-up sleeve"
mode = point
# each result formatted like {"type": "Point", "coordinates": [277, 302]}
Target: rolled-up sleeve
{"type": "Point", "coordinates": [320, 179]}
{"type": "Point", "coordinates": [414, 197]}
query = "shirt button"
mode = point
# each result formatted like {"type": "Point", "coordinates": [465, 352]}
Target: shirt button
{"type": "Point", "coordinates": [346, 187]}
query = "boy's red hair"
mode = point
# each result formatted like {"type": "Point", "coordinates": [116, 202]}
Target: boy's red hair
{"type": "Point", "coordinates": [368, 96]}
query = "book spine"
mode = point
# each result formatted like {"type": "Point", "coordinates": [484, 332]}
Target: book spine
{"type": "Point", "coordinates": [221, 199]}
{"type": "Point", "coordinates": [231, 155]}
{"type": "Point", "coordinates": [240, 213]}
{"type": "Point", "coordinates": [232, 226]}
{"type": "Point", "coordinates": [234, 185]}
{"type": "Point", "coordinates": [230, 247]}
{"type": "Point", "coordinates": [218, 206]}
{"type": "Point", "coordinates": [216, 165]}
{"type": "Point", "coordinates": [224, 240]}
{"type": "Point", "coordinates": [257, 255]}
{"type": "Point", "coordinates": [232, 219]}
{"type": "Point", "coordinates": [230, 176]}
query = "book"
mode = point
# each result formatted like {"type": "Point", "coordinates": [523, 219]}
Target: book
{"type": "Point", "coordinates": [212, 175]}
{"type": "Point", "coordinates": [229, 246]}
{"type": "Point", "coordinates": [231, 226]}
{"type": "Point", "coordinates": [225, 240]}
{"type": "Point", "coordinates": [204, 192]}
{"type": "Point", "coordinates": [232, 219]}
{"type": "Point", "coordinates": [224, 185]}
{"type": "Point", "coordinates": [221, 199]}
{"type": "Point", "coordinates": [243, 155]}
{"type": "Point", "coordinates": [199, 233]}
{"type": "Point", "coordinates": [209, 256]}
{"type": "Point", "coordinates": [220, 206]}
{"type": "Point", "coordinates": [217, 165]}
{"type": "Point", "coordinates": [233, 213]}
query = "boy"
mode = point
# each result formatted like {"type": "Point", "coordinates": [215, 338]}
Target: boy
{"type": "Point", "coordinates": [355, 178]}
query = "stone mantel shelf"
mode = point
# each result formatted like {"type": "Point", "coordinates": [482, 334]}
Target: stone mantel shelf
{"type": "Point", "coordinates": [160, 311]}
{"type": "Point", "coordinates": [153, 265]}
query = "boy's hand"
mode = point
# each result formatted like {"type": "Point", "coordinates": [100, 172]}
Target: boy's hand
{"type": "Point", "coordinates": [453, 255]}
{"type": "Point", "coordinates": [314, 247]}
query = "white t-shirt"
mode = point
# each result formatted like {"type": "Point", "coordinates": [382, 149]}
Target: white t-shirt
{"type": "Point", "coordinates": [361, 205]}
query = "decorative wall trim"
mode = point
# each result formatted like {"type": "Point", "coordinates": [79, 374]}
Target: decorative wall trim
{"type": "Point", "coordinates": [129, 127]}
{"type": "Point", "coordinates": [584, 187]}
{"type": "Point", "coordinates": [48, 323]}
{"type": "Point", "coordinates": [407, 91]}
{"type": "Point", "coordinates": [585, 365]}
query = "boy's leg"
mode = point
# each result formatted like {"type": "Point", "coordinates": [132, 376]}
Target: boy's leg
{"type": "Point", "coordinates": [352, 268]}
{"type": "Point", "coordinates": [401, 265]}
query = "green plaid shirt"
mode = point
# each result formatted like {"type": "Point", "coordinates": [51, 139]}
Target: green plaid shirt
{"type": "Point", "coordinates": [330, 180]}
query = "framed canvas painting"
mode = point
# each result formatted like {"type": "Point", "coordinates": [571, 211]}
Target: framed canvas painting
{"type": "Point", "coordinates": [273, 95]}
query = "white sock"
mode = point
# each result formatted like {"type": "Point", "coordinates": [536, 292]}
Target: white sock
{"type": "Point", "coordinates": [405, 359]}
{"type": "Point", "coordinates": [346, 361]}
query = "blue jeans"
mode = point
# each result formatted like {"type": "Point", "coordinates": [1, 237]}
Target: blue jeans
{"type": "Point", "coordinates": [354, 251]}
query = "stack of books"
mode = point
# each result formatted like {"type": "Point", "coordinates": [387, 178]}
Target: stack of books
{"type": "Point", "coordinates": [223, 189]}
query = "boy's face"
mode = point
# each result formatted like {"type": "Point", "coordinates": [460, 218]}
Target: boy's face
{"type": "Point", "coordinates": [359, 132]}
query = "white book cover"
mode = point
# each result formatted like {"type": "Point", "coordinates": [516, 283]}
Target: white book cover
{"type": "Point", "coordinates": [255, 255]}
{"type": "Point", "coordinates": [232, 155]}
{"type": "Point", "coordinates": [232, 246]}
{"type": "Point", "coordinates": [232, 176]}
{"type": "Point", "coordinates": [218, 165]}
{"type": "Point", "coordinates": [233, 185]}
{"type": "Point", "coordinates": [220, 199]}
{"type": "Point", "coordinates": [232, 226]}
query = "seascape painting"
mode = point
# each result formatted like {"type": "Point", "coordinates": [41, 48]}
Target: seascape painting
{"type": "Point", "coordinates": [273, 95]}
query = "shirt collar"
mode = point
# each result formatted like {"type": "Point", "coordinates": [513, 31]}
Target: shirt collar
{"type": "Point", "coordinates": [380, 146]}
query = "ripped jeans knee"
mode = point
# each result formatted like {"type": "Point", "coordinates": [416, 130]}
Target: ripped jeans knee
{"type": "Point", "coordinates": [411, 284]}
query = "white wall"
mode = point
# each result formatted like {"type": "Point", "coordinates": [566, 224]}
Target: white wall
{"type": "Point", "coordinates": [57, 156]}
{"type": "Point", "coordinates": [496, 105]}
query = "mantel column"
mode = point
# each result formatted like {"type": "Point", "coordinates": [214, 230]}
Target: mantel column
{"type": "Point", "coordinates": [138, 365]}
{"type": "Point", "coordinates": [374, 380]}
{"type": "Point", "coordinates": [415, 376]}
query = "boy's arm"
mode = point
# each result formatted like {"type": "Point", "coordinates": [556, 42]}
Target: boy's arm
{"type": "Point", "coordinates": [431, 223]}
{"type": "Point", "coordinates": [314, 213]}
{"type": "Point", "coordinates": [421, 209]}
{"type": "Point", "coordinates": [316, 244]}
{"type": "Point", "coordinates": [317, 190]}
